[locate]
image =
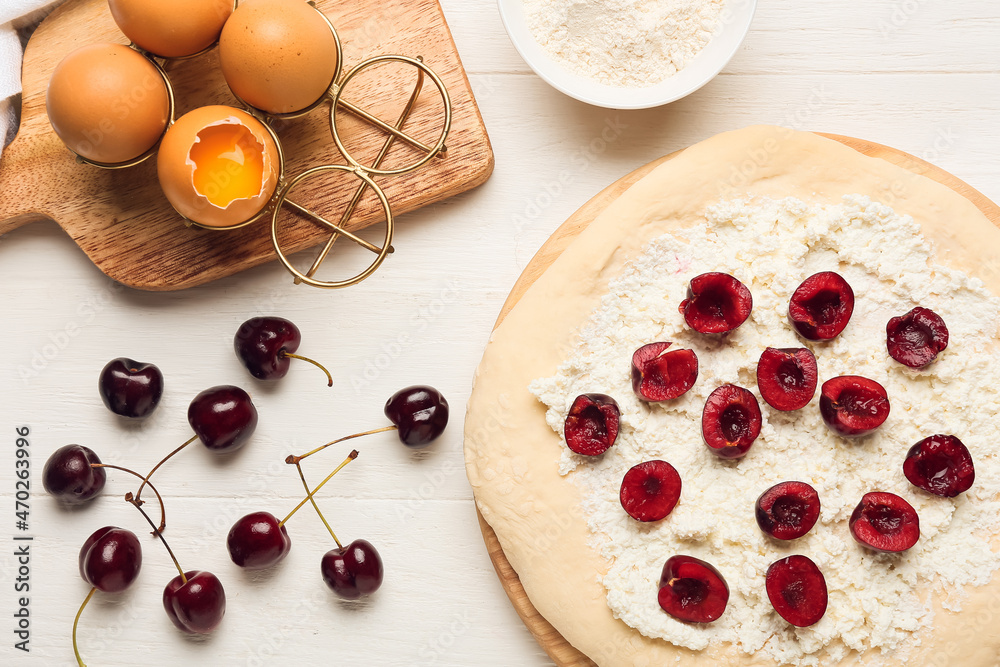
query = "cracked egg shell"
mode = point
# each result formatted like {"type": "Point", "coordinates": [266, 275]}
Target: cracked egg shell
{"type": "Point", "coordinates": [171, 29]}
{"type": "Point", "coordinates": [218, 166]}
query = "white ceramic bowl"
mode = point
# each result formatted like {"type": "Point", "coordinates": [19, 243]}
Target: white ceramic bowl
{"type": "Point", "coordinates": [736, 18]}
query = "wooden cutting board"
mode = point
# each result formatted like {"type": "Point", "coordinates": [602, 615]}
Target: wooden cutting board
{"type": "Point", "coordinates": [123, 222]}
{"type": "Point", "coordinates": [561, 651]}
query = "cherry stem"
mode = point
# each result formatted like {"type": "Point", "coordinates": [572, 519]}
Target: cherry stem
{"type": "Point", "coordinates": [350, 457]}
{"type": "Point", "coordinates": [159, 499]}
{"type": "Point", "coordinates": [316, 507]}
{"type": "Point", "coordinates": [311, 361]}
{"type": "Point", "coordinates": [76, 621]}
{"type": "Point", "coordinates": [295, 459]}
{"type": "Point", "coordinates": [157, 533]}
{"type": "Point", "coordinates": [156, 467]}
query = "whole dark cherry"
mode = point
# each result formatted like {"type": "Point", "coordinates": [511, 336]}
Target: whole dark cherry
{"type": "Point", "coordinates": [223, 418]}
{"type": "Point", "coordinates": [196, 607]}
{"type": "Point", "coordinates": [110, 559]}
{"type": "Point", "coordinates": [69, 477]}
{"type": "Point", "coordinates": [692, 590]}
{"type": "Point", "coordinates": [353, 571]}
{"type": "Point", "coordinates": [257, 541]}
{"type": "Point", "coordinates": [266, 346]}
{"type": "Point", "coordinates": [419, 412]}
{"type": "Point", "coordinates": [129, 388]}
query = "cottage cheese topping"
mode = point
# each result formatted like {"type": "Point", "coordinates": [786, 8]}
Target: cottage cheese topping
{"type": "Point", "coordinates": [877, 601]}
{"type": "Point", "coordinates": [625, 43]}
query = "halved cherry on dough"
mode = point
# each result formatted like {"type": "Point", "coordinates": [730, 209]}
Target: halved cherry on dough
{"type": "Point", "coordinates": [731, 421]}
{"type": "Point", "coordinates": [692, 590]}
{"type": "Point", "coordinates": [788, 510]}
{"type": "Point", "coordinates": [885, 522]}
{"type": "Point", "coordinates": [787, 377]}
{"type": "Point", "coordinates": [659, 375]}
{"type": "Point", "coordinates": [591, 426]}
{"type": "Point", "coordinates": [915, 339]}
{"type": "Point", "coordinates": [716, 303]}
{"type": "Point", "coordinates": [940, 464]}
{"type": "Point", "coordinates": [821, 306]}
{"type": "Point", "coordinates": [650, 490]}
{"type": "Point", "coordinates": [853, 406]}
{"type": "Point", "coordinates": [797, 590]}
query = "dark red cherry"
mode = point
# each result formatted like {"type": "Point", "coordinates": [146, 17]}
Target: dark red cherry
{"type": "Point", "coordinates": [658, 375]}
{"type": "Point", "coordinates": [788, 510]}
{"type": "Point", "coordinates": [940, 464]}
{"type": "Point", "coordinates": [885, 522]}
{"type": "Point", "coordinates": [69, 477]}
{"type": "Point", "coordinates": [354, 571]}
{"type": "Point", "coordinates": [731, 421]}
{"type": "Point", "coordinates": [650, 490]}
{"type": "Point", "coordinates": [196, 607]}
{"type": "Point", "coordinates": [853, 406]}
{"type": "Point", "coordinates": [129, 388]}
{"type": "Point", "coordinates": [797, 590]}
{"type": "Point", "coordinates": [915, 339]}
{"type": "Point", "coordinates": [692, 590]}
{"type": "Point", "coordinates": [591, 425]}
{"type": "Point", "coordinates": [787, 377]}
{"type": "Point", "coordinates": [716, 303]}
{"type": "Point", "coordinates": [419, 412]}
{"type": "Point", "coordinates": [266, 346]}
{"type": "Point", "coordinates": [257, 541]}
{"type": "Point", "coordinates": [223, 418]}
{"type": "Point", "coordinates": [821, 306]}
{"type": "Point", "coordinates": [261, 344]}
{"type": "Point", "coordinates": [110, 559]}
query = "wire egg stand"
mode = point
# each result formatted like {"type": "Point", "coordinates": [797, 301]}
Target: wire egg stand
{"type": "Point", "coordinates": [365, 173]}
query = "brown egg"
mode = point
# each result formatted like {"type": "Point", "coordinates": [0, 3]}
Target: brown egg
{"type": "Point", "coordinates": [279, 56]}
{"type": "Point", "coordinates": [218, 166]}
{"type": "Point", "coordinates": [107, 103]}
{"type": "Point", "coordinates": [171, 29]}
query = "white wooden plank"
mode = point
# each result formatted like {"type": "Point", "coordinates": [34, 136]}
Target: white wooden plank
{"type": "Point", "coordinates": [801, 37]}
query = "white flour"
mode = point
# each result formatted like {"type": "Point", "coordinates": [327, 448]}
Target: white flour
{"type": "Point", "coordinates": [877, 602]}
{"type": "Point", "coordinates": [624, 43]}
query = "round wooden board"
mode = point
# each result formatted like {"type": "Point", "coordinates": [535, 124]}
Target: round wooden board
{"type": "Point", "coordinates": [561, 651]}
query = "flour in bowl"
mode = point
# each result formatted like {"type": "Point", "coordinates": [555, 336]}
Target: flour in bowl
{"type": "Point", "coordinates": [624, 43]}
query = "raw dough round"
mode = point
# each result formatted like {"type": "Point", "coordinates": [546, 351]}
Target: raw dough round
{"type": "Point", "coordinates": [512, 455]}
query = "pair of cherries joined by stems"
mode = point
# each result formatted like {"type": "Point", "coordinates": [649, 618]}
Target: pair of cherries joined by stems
{"type": "Point", "coordinates": [223, 418]}
{"type": "Point", "coordinates": [110, 560]}
{"type": "Point", "coordinates": [259, 540]}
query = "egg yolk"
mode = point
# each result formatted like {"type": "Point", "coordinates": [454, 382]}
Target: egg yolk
{"type": "Point", "coordinates": [229, 164]}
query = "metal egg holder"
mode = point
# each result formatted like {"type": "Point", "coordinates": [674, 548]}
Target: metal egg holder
{"type": "Point", "coordinates": [364, 173]}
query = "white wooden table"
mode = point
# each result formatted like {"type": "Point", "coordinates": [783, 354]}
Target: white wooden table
{"type": "Point", "coordinates": [919, 75]}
